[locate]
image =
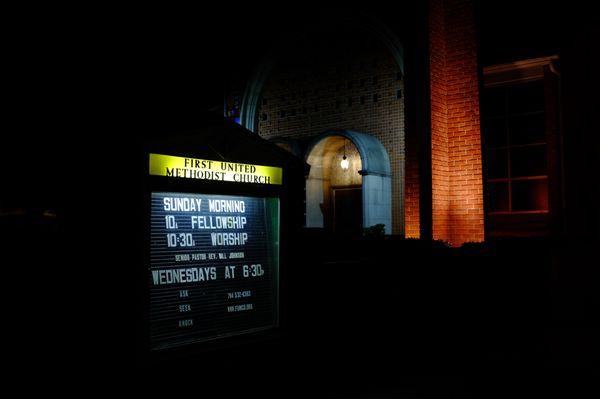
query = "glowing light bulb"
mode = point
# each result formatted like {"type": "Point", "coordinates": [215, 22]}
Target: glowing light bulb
{"type": "Point", "coordinates": [344, 164]}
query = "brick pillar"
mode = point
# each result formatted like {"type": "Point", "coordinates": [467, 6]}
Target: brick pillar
{"type": "Point", "coordinates": [411, 189]}
{"type": "Point", "coordinates": [457, 181]}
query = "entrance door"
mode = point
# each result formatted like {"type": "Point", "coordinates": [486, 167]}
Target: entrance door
{"type": "Point", "coordinates": [347, 210]}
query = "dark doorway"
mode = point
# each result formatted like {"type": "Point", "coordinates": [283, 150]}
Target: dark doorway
{"type": "Point", "coordinates": [347, 209]}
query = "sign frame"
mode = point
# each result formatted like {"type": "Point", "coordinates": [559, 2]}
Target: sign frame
{"type": "Point", "coordinates": [153, 183]}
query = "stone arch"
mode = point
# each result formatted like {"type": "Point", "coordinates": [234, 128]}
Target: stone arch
{"type": "Point", "coordinates": [254, 88]}
{"type": "Point", "coordinates": [376, 179]}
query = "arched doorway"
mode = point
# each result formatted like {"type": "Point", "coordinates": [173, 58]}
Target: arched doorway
{"type": "Point", "coordinates": [348, 200]}
{"type": "Point", "coordinates": [340, 72]}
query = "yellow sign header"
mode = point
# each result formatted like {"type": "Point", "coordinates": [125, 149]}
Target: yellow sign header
{"type": "Point", "coordinates": [192, 168]}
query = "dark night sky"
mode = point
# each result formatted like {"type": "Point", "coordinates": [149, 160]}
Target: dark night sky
{"type": "Point", "coordinates": [164, 59]}
{"type": "Point", "coordinates": [188, 61]}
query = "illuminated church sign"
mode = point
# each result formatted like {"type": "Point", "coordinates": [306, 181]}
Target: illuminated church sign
{"type": "Point", "coordinates": [192, 168]}
{"type": "Point", "coordinates": [213, 270]}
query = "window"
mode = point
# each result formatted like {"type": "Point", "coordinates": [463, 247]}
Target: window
{"type": "Point", "coordinates": [519, 120]}
{"type": "Point", "coordinates": [516, 148]}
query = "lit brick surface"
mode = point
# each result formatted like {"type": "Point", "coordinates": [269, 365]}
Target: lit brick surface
{"type": "Point", "coordinates": [322, 90]}
{"type": "Point", "coordinates": [412, 193]}
{"type": "Point", "coordinates": [457, 184]}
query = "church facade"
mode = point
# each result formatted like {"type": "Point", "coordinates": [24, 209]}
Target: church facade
{"type": "Point", "coordinates": [407, 129]}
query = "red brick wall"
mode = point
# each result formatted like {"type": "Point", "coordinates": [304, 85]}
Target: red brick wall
{"type": "Point", "coordinates": [457, 183]}
{"type": "Point", "coordinates": [411, 189]}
